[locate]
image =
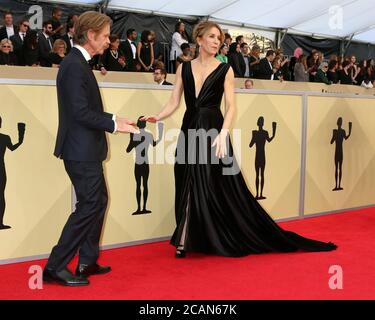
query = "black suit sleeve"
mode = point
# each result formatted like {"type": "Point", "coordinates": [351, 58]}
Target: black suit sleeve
{"type": "Point", "coordinates": [77, 86]}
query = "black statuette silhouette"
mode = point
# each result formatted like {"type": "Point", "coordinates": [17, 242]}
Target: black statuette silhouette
{"type": "Point", "coordinates": [338, 137]}
{"type": "Point", "coordinates": [141, 143]}
{"type": "Point", "coordinates": [259, 138]}
{"type": "Point", "coordinates": [5, 142]}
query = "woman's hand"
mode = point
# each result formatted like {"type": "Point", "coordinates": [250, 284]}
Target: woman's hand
{"type": "Point", "coordinates": [221, 144]}
{"type": "Point", "coordinates": [151, 119]}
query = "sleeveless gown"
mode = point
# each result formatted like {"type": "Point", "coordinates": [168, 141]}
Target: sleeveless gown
{"type": "Point", "coordinates": [216, 213]}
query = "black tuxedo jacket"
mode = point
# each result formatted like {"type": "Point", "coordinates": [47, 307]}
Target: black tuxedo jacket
{"type": "Point", "coordinates": [264, 70]}
{"type": "Point", "coordinates": [82, 121]}
{"type": "Point", "coordinates": [44, 50]}
{"type": "Point", "coordinates": [166, 83]}
{"type": "Point", "coordinates": [3, 32]}
{"type": "Point", "coordinates": [17, 48]}
{"type": "Point", "coordinates": [125, 47]}
{"type": "Point", "coordinates": [65, 37]}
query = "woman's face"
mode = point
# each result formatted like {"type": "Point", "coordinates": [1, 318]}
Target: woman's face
{"type": "Point", "coordinates": [316, 56]}
{"type": "Point", "coordinates": [224, 51]}
{"type": "Point", "coordinates": [115, 44]}
{"type": "Point", "coordinates": [353, 59]}
{"type": "Point", "coordinates": [210, 41]}
{"type": "Point", "coordinates": [182, 27]}
{"type": "Point", "coordinates": [60, 50]}
{"type": "Point", "coordinates": [5, 47]}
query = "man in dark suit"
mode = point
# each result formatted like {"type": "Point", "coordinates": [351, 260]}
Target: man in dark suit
{"type": "Point", "coordinates": [9, 29]}
{"type": "Point", "coordinates": [17, 40]}
{"type": "Point", "coordinates": [45, 41]}
{"type": "Point", "coordinates": [82, 144]}
{"type": "Point", "coordinates": [265, 69]}
{"type": "Point", "coordinates": [68, 37]}
{"type": "Point", "coordinates": [129, 48]}
{"type": "Point", "coordinates": [160, 75]}
{"type": "Point", "coordinates": [244, 60]}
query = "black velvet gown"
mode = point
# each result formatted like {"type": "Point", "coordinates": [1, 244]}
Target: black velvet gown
{"type": "Point", "coordinates": [216, 213]}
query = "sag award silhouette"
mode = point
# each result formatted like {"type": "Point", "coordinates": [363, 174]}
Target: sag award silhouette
{"type": "Point", "coordinates": [5, 142]}
{"type": "Point", "coordinates": [259, 139]}
{"type": "Point", "coordinates": [338, 136]}
{"type": "Point", "coordinates": [141, 142]}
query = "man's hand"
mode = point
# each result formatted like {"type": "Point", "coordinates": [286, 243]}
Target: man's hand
{"type": "Point", "coordinates": [126, 126]}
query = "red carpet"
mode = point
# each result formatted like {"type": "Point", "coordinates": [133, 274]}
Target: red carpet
{"type": "Point", "coordinates": [151, 271]}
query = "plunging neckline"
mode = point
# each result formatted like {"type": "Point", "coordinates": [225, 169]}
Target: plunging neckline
{"type": "Point", "coordinates": [204, 82]}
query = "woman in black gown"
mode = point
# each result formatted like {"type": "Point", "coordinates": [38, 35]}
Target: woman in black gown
{"type": "Point", "coordinates": [215, 211]}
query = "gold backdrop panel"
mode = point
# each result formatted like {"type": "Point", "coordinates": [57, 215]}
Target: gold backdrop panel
{"type": "Point", "coordinates": [38, 192]}
{"type": "Point", "coordinates": [282, 154]}
{"type": "Point", "coordinates": [356, 154]}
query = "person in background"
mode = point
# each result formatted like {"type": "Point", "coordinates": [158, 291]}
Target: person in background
{"type": "Point", "coordinates": [332, 73]}
{"type": "Point", "coordinates": [58, 53]}
{"type": "Point", "coordinates": [223, 51]}
{"type": "Point", "coordinates": [344, 75]}
{"type": "Point", "coordinates": [45, 44]}
{"type": "Point", "coordinates": [68, 37]}
{"type": "Point", "coordinates": [30, 49]}
{"type": "Point", "coordinates": [178, 38]}
{"type": "Point", "coordinates": [72, 18]}
{"type": "Point", "coordinates": [157, 46]}
{"type": "Point", "coordinates": [313, 64]}
{"type": "Point", "coordinates": [160, 76]}
{"type": "Point", "coordinates": [254, 59]}
{"type": "Point", "coordinates": [185, 56]}
{"type": "Point", "coordinates": [129, 48]}
{"type": "Point", "coordinates": [293, 61]}
{"type": "Point", "coordinates": [321, 74]}
{"type": "Point", "coordinates": [145, 52]}
{"type": "Point", "coordinates": [244, 60]}
{"type": "Point", "coordinates": [240, 39]}
{"type": "Point", "coordinates": [249, 84]}
{"type": "Point", "coordinates": [301, 72]}
{"type": "Point", "coordinates": [7, 57]}
{"type": "Point", "coordinates": [9, 29]}
{"type": "Point", "coordinates": [57, 26]}
{"type": "Point", "coordinates": [354, 69]}
{"type": "Point", "coordinates": [284, 64]}
{"type": "Point", "coordinates": [277, 71]}
{"type": "Point", "coordinates": [265, 70]}
{"type": "Point", "coordinates": [113, 58]}
{"type": "Point", "coordinates": [234, 57]}
{"type": "Point", "coordinates": [18, 39]}
{"type": "Point", "coordinates": [228, 39]}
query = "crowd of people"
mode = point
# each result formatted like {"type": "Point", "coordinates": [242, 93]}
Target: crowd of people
{"type": "Point", "coordinates": [47, 48]}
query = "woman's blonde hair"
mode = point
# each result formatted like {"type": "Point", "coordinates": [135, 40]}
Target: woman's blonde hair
{"type": "Point", "coordinates": [89, 20]}
{"type": "Point", "coordinates": [205, 26]}
{"type": "Point", "coordinates": [58, 43]}
{"type": "Point", "coordinates": [7, 41]}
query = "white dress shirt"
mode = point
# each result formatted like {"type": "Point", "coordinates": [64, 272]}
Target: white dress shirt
{"type": "Point", "coordinates": [10, 31]}
{"type": "Point", "coordinates": [134, 48]}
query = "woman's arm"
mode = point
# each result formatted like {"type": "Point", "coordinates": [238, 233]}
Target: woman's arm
{"type": "Point", "coordinates": [230, 110]}
{"type": "Point", "coordinates": [139, 47]}
{"type": "Point", "coordinates": [173, 103]}
{"type": "Point", "coordinates": [152, 54]}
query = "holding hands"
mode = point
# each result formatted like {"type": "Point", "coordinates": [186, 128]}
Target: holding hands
{"type": "Point", "coordinates": [151, 119]}
{"type": "Point", "coordinates": [126, 126]}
